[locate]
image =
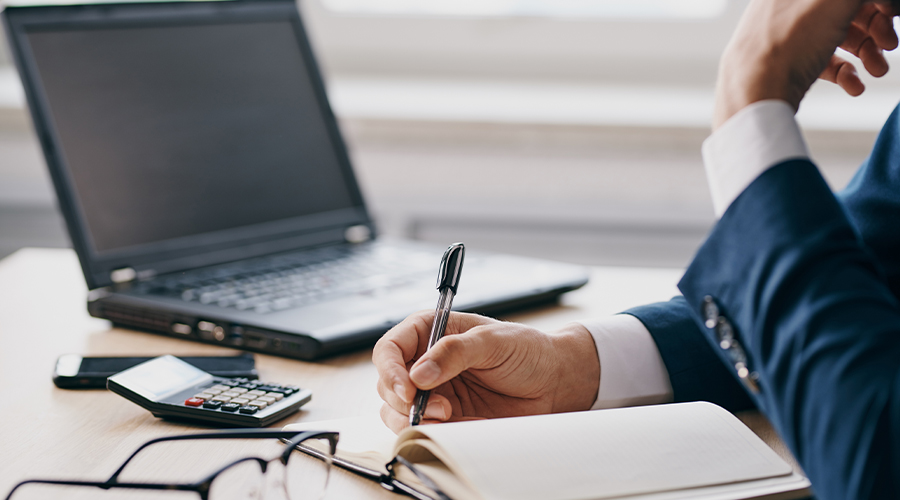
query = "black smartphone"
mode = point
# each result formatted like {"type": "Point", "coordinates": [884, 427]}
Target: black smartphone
{"type": "Point", "coordinates": [76, 372]}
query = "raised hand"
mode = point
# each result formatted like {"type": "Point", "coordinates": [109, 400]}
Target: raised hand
{"type": "Point", "coordinates": [780, 47]}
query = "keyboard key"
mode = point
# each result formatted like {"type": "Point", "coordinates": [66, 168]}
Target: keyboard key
{"type": "Point", "coordinates": [256, 393]}
{"type": "Point", "coordinates": [223, 399]}
{"type": "Point", "coordinates": [238, 390]}
{"type": "Point", "coordinates": [277, 396]}
{"type": "Point", "coordinates": [212, 405]}
{"type": "Point", "coordinates": [240, 401]}
{"type": "Point", "coordinates": [204, 395]}
{"type": "Point", "coordinates": [193, 402]}
{"type": "Point", "coordinates": [230, 407]}
{"type": "Point", "coordinates": [230, 394]}
{"type": "Point", "coordinates": [266, 399]}
{"type": "Point", "coordinates": [259, 404]}
{"type": "Point", "coordinates": [249, 410]}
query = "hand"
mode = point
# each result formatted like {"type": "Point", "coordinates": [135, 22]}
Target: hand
{"type": "Point", "coordinates": [484, 368]}
{"type": "Point", "coordinates": [780, 47]}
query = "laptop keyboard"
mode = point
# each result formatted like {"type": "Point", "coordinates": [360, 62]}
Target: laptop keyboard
{"type": "Point", "coordinates": [286, 281]}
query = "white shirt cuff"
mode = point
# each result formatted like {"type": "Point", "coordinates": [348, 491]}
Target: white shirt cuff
{"type": "Point", "coordinates": [632, 372]}
{"type": "Point", "coordinates": [756, 138]}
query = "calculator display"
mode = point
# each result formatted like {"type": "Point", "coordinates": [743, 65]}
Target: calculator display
{"type": "Point", "coordinates": [157, 378]}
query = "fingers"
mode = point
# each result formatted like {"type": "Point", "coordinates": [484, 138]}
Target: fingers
{"type": "Point", "coordinates": [870, 34]}
{"type": "Point", "coordinates": [397, 421]}
{"type": "Point", "coordinates": [876, 20]}
{"type": "Point", "coordinates": [843, 73]}
{"type": "Point", "coordinates": [400, 346]}
{"type": "Point", "coordinates": [438, 408]}
{"type": "Point", "coordinates": [395, 349]}
{"type": "Point", "coordinates": [455, 354]}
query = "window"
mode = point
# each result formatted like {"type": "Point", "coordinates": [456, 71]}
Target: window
{"type": "Point", "coordinates": [630, 9]}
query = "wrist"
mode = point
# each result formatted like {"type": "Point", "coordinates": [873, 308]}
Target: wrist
{"type": "Point", "coordinates": [578, 369]}
{"type": "Point", "coordinates": [742, 83]}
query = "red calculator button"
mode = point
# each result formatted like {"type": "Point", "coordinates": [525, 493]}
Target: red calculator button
{"type": "Point", "coordinates": [193, 402]}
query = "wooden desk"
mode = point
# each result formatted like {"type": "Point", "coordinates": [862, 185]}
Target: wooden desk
{"type": "Point", "coordinates": [52, 433]}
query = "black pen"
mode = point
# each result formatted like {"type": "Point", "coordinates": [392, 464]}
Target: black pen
{"type": "Point", "coordinates": [447, 282]}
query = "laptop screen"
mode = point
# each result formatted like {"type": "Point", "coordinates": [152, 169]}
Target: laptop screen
{"type": "Point", "coordinates": [179, 129]}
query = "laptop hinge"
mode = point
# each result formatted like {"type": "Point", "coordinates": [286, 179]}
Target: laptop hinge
{"type": "Point", "coordinates": [358, 234]}
{"type": "Point", "coordinates": [126, 274]}
{"type": "Point", "coordinates": [123, 275]}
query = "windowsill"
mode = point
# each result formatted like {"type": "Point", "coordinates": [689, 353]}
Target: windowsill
{"type": "Point", "coordinates": [557, 103]}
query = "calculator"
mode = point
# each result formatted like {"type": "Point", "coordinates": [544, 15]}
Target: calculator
{"type": "Point", "coordinates": [173, 389]}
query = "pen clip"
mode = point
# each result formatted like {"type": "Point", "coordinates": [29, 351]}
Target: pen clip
{"type": "Point", "coordinates": [451, 267]}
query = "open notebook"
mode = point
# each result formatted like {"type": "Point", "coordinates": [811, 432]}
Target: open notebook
{"type": "Point", "coordinates": [664, 452]}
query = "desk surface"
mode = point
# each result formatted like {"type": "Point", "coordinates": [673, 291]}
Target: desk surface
{"type": "Point", "coordinates": [53, 433]}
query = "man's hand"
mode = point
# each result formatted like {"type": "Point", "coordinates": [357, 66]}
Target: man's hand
{"type": "Point", "coordinates": [484, 368]}
{"type": "Point", "coordinates": [780, 47]}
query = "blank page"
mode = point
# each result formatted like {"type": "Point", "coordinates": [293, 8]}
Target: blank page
{"type": "Point", "coordinates": [603, 454]}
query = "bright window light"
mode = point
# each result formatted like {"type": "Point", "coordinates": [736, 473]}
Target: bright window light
{"type": "Point", "coordinates": [622, 9]}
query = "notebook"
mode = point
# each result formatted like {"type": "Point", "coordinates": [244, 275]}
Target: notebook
{"type": "Point", "coordinates": [206, 187]}
{"type": "Point", "coordinates": [664, 452]}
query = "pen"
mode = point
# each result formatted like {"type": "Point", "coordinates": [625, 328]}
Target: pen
{"type": "Point", "coordinates": [447, 282]}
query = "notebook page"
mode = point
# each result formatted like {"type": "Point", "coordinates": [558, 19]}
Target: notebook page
{"type": "Point", "coordinates": [605, 454]}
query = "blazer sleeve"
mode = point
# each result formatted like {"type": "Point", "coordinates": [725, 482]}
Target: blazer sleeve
{"type": "Point", "coordinates": [801, 311]}
{"type": "Point", "coordinates": [871, 201]}
{"type": "Point", "coordinates": [695, 372]}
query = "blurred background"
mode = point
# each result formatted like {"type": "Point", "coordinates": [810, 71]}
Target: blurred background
{"type": "Point", "coordinates": [566, 129]}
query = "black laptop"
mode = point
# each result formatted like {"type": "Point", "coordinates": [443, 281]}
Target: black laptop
{"type": "Point", "coordinates": [206, 187]}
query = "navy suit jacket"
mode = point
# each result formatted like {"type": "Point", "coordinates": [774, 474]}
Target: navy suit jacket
{"type": "Point", "coordinates": [797, 289]}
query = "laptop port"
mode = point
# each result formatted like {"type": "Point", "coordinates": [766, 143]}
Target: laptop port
{"type": "Point", "coordinates": [211, 331]}
{"type": "Point", "coordinates": [182, 329]}
{"type": "Point", "coordinates": [254, 340]}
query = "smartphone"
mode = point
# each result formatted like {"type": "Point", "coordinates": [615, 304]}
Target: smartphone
{"type": "Point", "coordinates": [76, 372]}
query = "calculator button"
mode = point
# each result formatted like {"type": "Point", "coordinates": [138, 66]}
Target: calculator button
{"type": "Point", "coordinates": [212, 405]}
{"type": "Point", "coordinates": [220, 388]}
{"type": "Point", "coordinates": [230, 394]}
{"type": "Point", "coordinates": [204, 395]}
{"type": "Point", "coordinates": [239, 390]}
{"type": "Point", "coordinates": [256, 393]}
{"type": "Point", "coordinates": [232, 407]}
{"type": "Point", "coordinates": [259, 404]}
{"type": "Point", "coordinates": [266, 399]}
{"type": "Point", "coordinates": [249, 410]}
{"type": "Point", "coordinates": [240, 401]}
{"type": "Point", "coordinates": [277, 396]}
{"type": "Point", "coordinates": [193, 402]}
{"type": "Point", "coordinates": [249, 386]}
{"type": "Point", "coordinates": [221, 398]}
{"type": "Point", "coordinates": [214, 392]}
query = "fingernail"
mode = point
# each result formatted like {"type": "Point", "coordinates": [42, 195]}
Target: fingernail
{"type": "Point", "coordinates": [425, 373]}
{"type": "Point", "coordinates": [401, 391]}
{"type": "Point", "coordinates": [435, 410]}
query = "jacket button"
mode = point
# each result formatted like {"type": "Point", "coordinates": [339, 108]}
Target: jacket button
{"type": "Point", "coordinates": [710, 312]}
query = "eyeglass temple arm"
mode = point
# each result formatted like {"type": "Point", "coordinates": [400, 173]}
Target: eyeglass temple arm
{"type": "Point", "coordinates": [292, 443]}
{"type": "Point", "coordinates": [227, 434]}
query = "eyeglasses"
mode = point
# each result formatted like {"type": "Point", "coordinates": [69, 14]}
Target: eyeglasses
{"type": "Point", "coordinates": [303, 478]}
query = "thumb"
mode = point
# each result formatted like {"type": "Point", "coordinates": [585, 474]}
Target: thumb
{"type": "Point", "coordinates": [453, 355]}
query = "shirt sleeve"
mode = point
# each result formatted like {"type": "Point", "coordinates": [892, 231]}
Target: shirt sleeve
{"type": "Point", "coordinates": [632, 371]}
{"type": "Point", "coordinates": [756, 138]}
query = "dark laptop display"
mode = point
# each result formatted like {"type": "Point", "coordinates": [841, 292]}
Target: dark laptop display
{"type": "Point", "coordinates": [206, 187]}
{"type": "Point", "coordinates": [159, 151]}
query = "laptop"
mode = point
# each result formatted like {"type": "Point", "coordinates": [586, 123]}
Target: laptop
{"type": "Point", "coordinates": [207, 190]}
